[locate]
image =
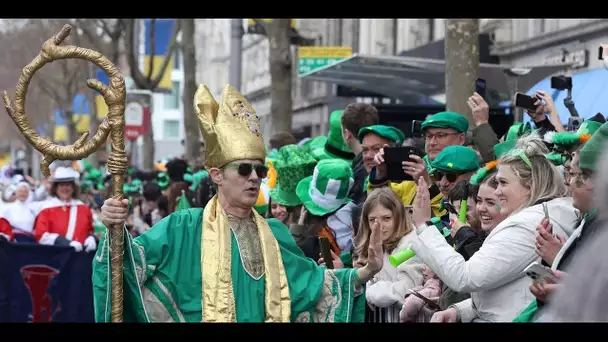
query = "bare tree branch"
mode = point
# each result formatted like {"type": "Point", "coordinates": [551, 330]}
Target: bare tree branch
{"type": "Point", "coordinates": [140, 80]}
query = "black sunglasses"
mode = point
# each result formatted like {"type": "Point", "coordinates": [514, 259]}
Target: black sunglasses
{"type": "Point", "coordinates": [245, 169]}
{"type": "Point", "coordinates": [451, 177]}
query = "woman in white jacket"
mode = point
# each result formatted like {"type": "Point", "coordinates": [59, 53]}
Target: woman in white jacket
{"type": "Point", "coordinates": [495, 274]}
{"type": "Point", "coordinates": [389, 287]}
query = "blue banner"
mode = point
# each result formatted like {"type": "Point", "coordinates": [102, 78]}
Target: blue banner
{"type": "Point", "coordinates": [41, 283]}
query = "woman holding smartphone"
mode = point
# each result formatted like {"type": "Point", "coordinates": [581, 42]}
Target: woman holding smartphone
{"type": "Point", "coordinates": [494, 275]}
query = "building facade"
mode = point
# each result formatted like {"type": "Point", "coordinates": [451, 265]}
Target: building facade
{"type": "Point", "coordinates": [524, 42]}
{"type": "Point", "coordinates": [519, 42]}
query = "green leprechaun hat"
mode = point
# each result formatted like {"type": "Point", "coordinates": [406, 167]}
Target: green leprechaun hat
{"type": "Point", "coordinates": [335, 147]}
{"type": "Point", "coordinates": [315, 143]}
{"type": "Point", "coordinates": [502, 148]}
{"type": "Point", "coordinates": [327, 189]}
{"type": "Point", "coordinates": [293, 165]}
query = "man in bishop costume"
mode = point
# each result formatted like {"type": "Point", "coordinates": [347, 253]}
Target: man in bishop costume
{"type": "Point", "coordinates": [225, 263]}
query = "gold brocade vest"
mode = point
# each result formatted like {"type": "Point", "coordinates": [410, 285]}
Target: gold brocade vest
{"type": "Point", "coordinates": [218, 294]}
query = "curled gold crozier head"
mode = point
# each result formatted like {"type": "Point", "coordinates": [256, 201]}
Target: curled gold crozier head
{"type": "Point", "coordinates": [114, 95]}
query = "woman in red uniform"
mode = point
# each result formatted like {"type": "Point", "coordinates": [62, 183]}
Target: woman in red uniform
{"type": "Point", "coordinates": [65, 220]}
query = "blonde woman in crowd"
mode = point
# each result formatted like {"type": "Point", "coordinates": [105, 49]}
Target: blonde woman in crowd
{"type": "Point", "coordinates": [494, 275]}
{"type": "Point", "coordinates": [389, 287]}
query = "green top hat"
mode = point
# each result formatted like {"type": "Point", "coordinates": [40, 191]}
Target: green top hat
{"type": "Point", "coordinates": [327, 189]}
{"type": "Point", "coordinates": [517, 130]}
{"type": "Point", "coordinates": [335, 147]}
{"type": "Point", "coordinates": [315, 143]}
{"type": "Point", "coordinates": [502, 148]}
{"type": "Point", "coordinates": [293, 164]}
{"type": "Point", "coordinates": [593, 148]}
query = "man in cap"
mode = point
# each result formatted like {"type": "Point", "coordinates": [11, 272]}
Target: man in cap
{"type": "Point", "coordinates": [224, 262]}
{"type": "Point", "coordinates": [442, 130]}
{"type": "Point", "coordinates": [454, 164]}
{"type": "Point", "coordinates": [355, 117]}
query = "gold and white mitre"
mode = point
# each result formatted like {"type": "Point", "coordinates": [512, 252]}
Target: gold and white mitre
{"type": "Point", "coordinates": [231, 130]}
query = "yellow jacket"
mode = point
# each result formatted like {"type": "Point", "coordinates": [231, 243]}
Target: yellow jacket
{"type": "Point", "coordinates": [406, 191]}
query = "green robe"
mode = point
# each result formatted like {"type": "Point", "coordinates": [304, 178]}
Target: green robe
{"type": "Point", "coordinates": [163, 283]}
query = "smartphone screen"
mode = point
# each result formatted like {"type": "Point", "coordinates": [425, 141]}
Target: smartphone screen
{"type": "Point", "coordinates": [480, 87]}
{"type": "Point", "coordinates": [526, 102]}
{"type": "Point", "coordinates": [325, 252]}
{"type": "Point", "coordinates": [393, 157]}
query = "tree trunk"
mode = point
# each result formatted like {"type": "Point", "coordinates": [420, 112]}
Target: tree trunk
{"type": "Point", "coordinates": [148, 151]}
{"type": "Point", "coordinates": [461, 63]}
{"type": "Point", "coordinates": [192, 143]}
{"type": "Point", "coordinates": [280, 74]}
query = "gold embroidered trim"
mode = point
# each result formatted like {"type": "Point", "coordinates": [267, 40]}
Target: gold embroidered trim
{"type": "Point", "coordinates": [218, 293]}
{"type": "Point", "coordinates": [248, 242]}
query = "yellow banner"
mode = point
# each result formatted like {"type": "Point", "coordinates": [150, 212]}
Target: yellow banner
{"type": "Point", "coordinates": [102, 107]}
{"type": "Point", "coordinates": [325, 51]}
{"type": "Point", "coordinates": [61, 134]}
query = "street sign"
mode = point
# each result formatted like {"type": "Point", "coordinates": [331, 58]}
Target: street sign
{"type": "Point", "coordinates": [316, 57]}
{"type": "Point", "coordinates": [134, 120]}
{"type": "Point", "coordinates": [137, 113]}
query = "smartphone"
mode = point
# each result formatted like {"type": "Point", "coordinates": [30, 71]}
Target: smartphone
{"type": "Point", "coordinates": [603, 47]}
{"type": "Point", "coordinates": [480, 87]}
{"type": "Point", "coordinates": [393, 157]}
{"type": "Point", "coordinates": [574, 123]}
{"type": "Point", "coordinates": [416, 128]}
{"type": "Point", "coordinates": [450, 208]}
{"type": "Point", "coordinates": [546, 211]}
{"type": "Point", "coordinates": [526, 102]}
{"type": "Point", "coordinates": [432, 305]}
{"type": "Point", "coordinates": [326, 252]}
{"type": "Point", "coordinates": [538, 272]}
{"type": "Point", "coordinates": [561, 82]}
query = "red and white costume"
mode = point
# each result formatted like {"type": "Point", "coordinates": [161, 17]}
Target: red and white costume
{"type": "Point", "coordinates": [6, 230]}
{"type": "Point", "coordinates": [72, 221]}
{"type": "Point", "coordinates": [65, 223]}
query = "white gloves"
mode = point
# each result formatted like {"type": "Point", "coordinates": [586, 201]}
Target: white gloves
{"type": "Point", "coordinates": [90, 244]}
{"type": "Point", "coordinates": [77, 245]}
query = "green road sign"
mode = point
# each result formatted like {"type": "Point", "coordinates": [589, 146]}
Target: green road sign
{"type": "Point", "coordinates": [315, 57]}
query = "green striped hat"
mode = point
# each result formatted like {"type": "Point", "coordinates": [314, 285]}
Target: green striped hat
{"type": "Point", "coordinates": [326, 190]}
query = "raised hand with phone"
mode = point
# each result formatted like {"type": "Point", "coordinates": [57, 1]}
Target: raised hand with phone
{"type": "Point", "coordinates": [547, 243]}
{"type": "Point", "coordinates": [479, 108]}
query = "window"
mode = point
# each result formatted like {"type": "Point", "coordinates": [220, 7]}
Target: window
{"type": "Point", "coordinates": [172, 100]}
{"type": "Point", "coordinates": [171, 129]}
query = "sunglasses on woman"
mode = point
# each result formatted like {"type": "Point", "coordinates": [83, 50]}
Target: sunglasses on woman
{"type": "Point", "coordinates": [245, 169]}
{"type": "Point", "coordinates": [451, 177]}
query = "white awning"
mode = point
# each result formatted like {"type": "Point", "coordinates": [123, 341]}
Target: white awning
{"type": "Point", "coordinates": [409, 78]}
